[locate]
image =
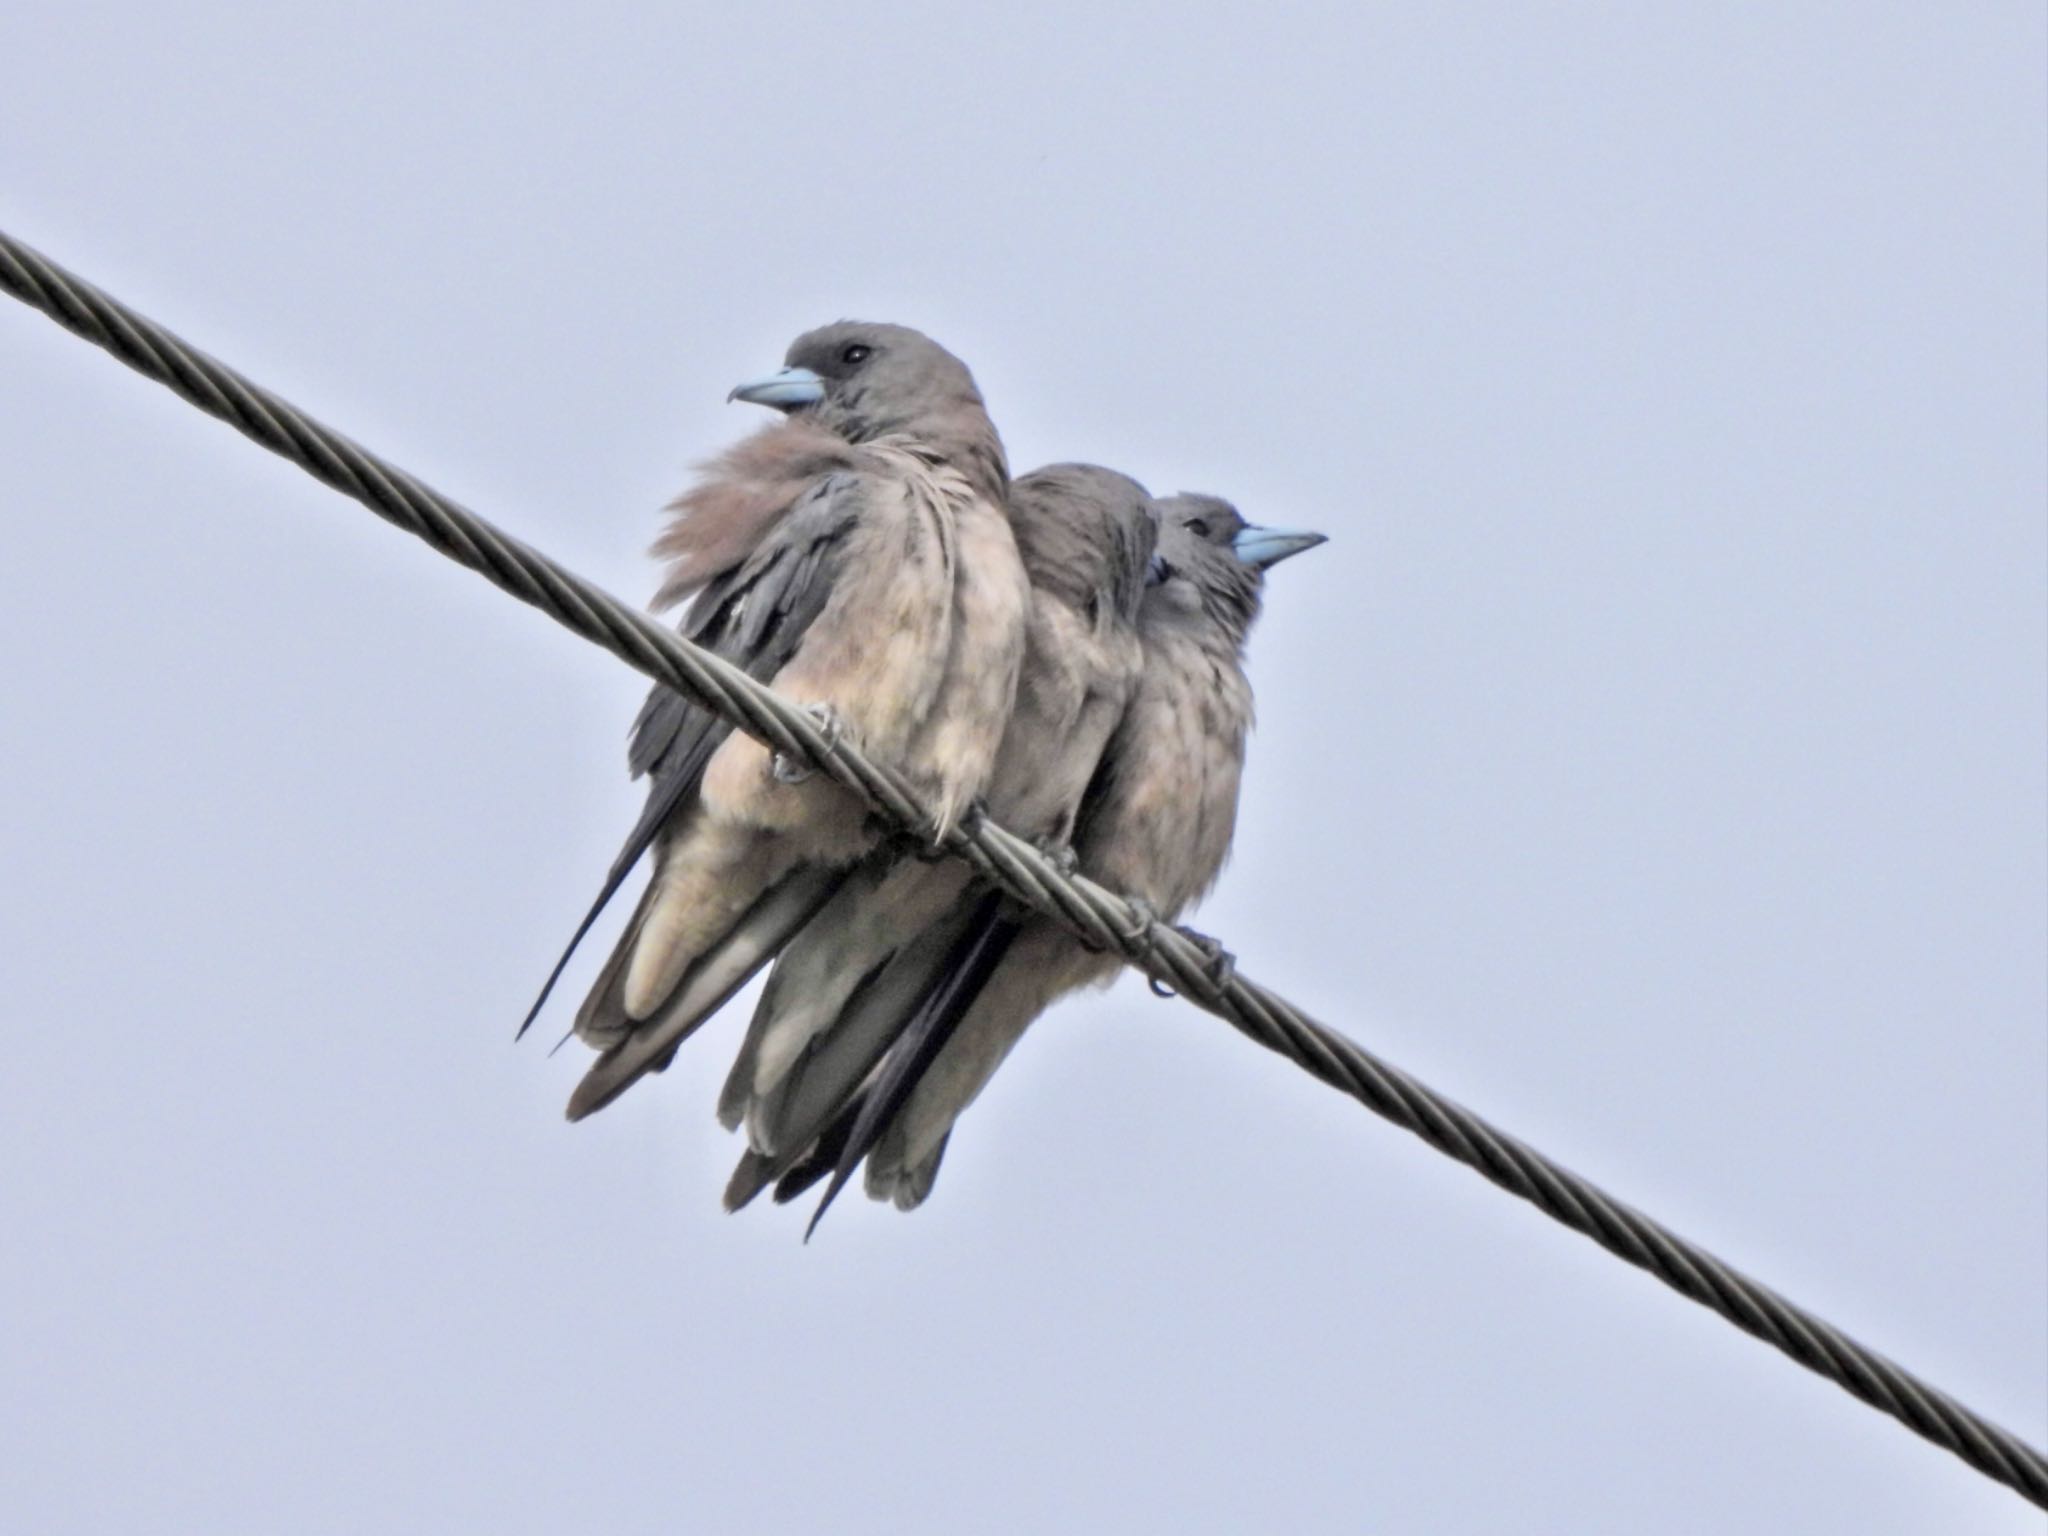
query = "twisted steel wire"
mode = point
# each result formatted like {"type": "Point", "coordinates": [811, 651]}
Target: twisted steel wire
{"type": "Point", "coordinates": [1096, 916]}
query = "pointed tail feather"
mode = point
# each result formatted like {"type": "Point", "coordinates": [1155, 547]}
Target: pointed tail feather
{"type": "Point", "coordinates": [667, 794]}
{"type": "Point", "coordinates": [612, 882]}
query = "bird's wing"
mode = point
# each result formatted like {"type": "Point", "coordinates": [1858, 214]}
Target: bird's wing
{"type": "Point", "coordinates": [753, 615]}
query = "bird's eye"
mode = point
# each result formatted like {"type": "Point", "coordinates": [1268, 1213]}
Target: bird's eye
{"type": "Point", "coordinates": [1198, 528]}
{"type": "Point", "coordinates": [855, 354]}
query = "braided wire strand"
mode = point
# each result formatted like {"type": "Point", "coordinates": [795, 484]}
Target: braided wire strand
{"type": "Point", "coordinates": [1096, 916]}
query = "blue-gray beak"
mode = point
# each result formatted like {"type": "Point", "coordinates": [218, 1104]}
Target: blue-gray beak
{"type": "Point", "coordinates": [788, 390]}
{"type": "Point", "coordinates": [1263, 548]}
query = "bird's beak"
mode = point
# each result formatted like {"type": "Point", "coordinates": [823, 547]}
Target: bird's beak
{"type": "Point", "coordinates": [1263, 548]}
{"type": "Point", "coordinates": [789, 390]}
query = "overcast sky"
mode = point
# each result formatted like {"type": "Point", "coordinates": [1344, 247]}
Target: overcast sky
{"type": "Point", "coordinates": [1653, 760]}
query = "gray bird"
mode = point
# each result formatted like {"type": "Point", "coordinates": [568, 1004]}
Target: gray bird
{"type": "Point", "coordinates": [857, 556]}
{"type": "Point", "coordinates": [1156, 823]}
{"type": "Point", "coordinates": [841, 990]}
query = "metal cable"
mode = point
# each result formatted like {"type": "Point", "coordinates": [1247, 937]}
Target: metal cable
{"type": "Point", "coordinates": [1096, 916]}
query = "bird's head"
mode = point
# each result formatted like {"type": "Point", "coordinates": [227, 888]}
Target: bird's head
{"type": "Point", "coordinates": [1209, 562]}
{"type": "Point", "coordinates": [865, 380]}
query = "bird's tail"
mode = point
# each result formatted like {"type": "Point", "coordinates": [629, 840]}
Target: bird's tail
{"type": "Point", "coordinates": [796, 1101]}
{"type": "Point", "coordinates": [918, 1046]}
{"type": "Point", "coordinates": [825, 1114]}
{"type": "Point", "coordinates": [643, 1045]}
{"type": "Point", "coordinates": [838, 995]}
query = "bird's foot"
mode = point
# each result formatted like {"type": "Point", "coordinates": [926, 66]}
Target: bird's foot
{"type": "Point", "coordinates": [1058, 852]}
{"type": "Point", "coordinates": [789, 770]}
{"type": "Point", "coordinates": [1219, 965]}
{"type": "Point", "coordinates": [1144, 918]}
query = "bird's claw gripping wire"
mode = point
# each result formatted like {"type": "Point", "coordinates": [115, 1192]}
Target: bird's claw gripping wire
{"type": "Point", "coordinates": [1144, 918]}
{"type": "Point", "coordinates": [1058, 852]}
{"type": "Point", "coordinates": [788, 770]}
{"type": "Point", "coordinates": [1219, 965]}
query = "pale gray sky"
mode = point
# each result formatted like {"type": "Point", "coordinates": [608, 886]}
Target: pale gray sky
{"type": "Point", "coordinates": [1654, 760]}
